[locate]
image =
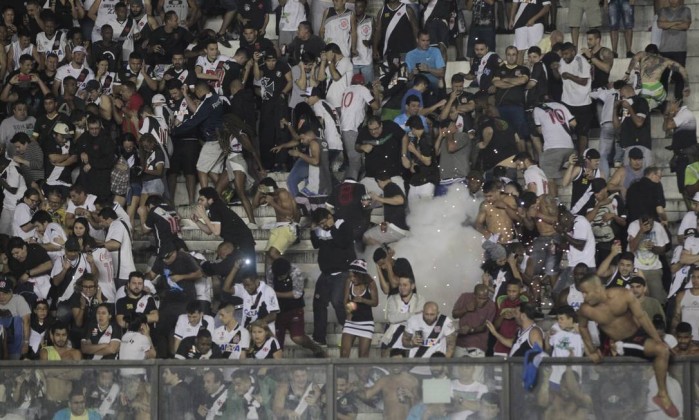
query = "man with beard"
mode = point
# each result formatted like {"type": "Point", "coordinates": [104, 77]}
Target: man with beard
{"type": "Point", "coordinates": [60, 350]}
{"type": "Point", "coordinates": [162, 219]}
{"type": "Point", "coordinates": [430, 333]}
{"type": "Point", "coordinates": [473, 310]}
{"type": "Point", "coordinates": [179, 71]}
{"type": "Point", "coordinates": [399, 308]}
{"type": "Point", "coordinates": [686, 346]}
{"type": "Point", "coordinates": [620, 275]}
{"type": "Point", "coordinates": [484, 67]}
{"type": "Point", "coordinates": [77, 68]}
{"type": "Point", "coordinates": [136, 301]}
{"type": "Point", "coordinates": [95, 152]}
{"type": "Point", "coordinates": [46, 123]}
{"type": "Point", "coordinates": [187, 145]}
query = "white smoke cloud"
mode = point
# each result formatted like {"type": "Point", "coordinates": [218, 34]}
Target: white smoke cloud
{"type": "Point", "coordinates": [445, 255]}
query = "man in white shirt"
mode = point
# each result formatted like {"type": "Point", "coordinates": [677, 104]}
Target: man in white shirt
{"type": "Point", "coordinates": [534, 178]}
{"type": "Point", "coordinates": [13, 187]}
{"type": "Point", "coordinates": [77, 68]}
{"type": "Point", "coordinates": [259, 300]}
{"type": "Point", "coordinates": [82, 204]}
{"type": "Point", "coordinates": [189, 324]}
{"type": "Point", "coordinates": [118, 242]}
{"type": "Point", "coordinates": [556, 124]}
{"type": "Point", "coordinates": [51, 41]}
{"type": "Point", "coordinates": [232, 338]}
{"type": "Point", "coordinates": [577, 232]}
{"type": "Point", "coordinates": [209, 67]}
{"type": "Point", "coordinates": [337, 70]}
{"type": "Point", "coordinates": [352, 114]}
{"type": "Point", "coordinates": [574, 71]}
{"type": "Point", "coordinates": [648, 240]}
{"type": "Point", "coordinates": [22, 225]}
{"type": "Point", "coordinates": [430, 333]}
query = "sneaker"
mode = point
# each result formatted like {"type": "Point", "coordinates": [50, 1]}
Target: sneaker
{"type": "Point", "coordinates": [615, 54]}
{"type": "Point", "coordinates": [252, 226]}
{"type": "Point", "coordinates": [629, 54]}
{"type": "Point", "coordinates": [221, 39]}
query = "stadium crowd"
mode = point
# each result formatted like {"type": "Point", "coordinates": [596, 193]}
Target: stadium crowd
{"type": "Point", "coordinates": [107, 103]}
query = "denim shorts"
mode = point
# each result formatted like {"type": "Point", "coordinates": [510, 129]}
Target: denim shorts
{"type": "Point", "coordinates": [134, 191]}
{"type": "Point", "coordinates": [620, 15]}
{"type": "Point", "coordinates": [153, 187]}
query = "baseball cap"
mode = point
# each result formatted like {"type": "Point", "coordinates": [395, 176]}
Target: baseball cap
{"type": "Point", "coordinates": [316, 91]}
{"type": "Point", "coordinates": [591, 154]}
{"type": "Point", "coordinates": [166, 249]}
{"type": "Point", "coordinates": [158, 99]}
{"type": "Point", "coordinates": [598, 184]}
{"type": "Point", "coordinates": [358, 266]}
{"type": "Point", "coordinates": [690, 232]}
{"type": "Point", "coordinates": [358, 79]}
{"type": "Point", "coordinates": [635, 153]}
{"type": "Point", "coordinates": [79, 49]}
{"type": "Point", "coordinates": [62, 128]}
{"type": "Point", "coordinates": [92, 85]}
{"type": "Point", "coordinates": [5, 285]}
{"type": "Point", "coordinates": [270, 54]}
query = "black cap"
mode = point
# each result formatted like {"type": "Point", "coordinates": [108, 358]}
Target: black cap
{"type": "Point", "coordinates": [592, 154]}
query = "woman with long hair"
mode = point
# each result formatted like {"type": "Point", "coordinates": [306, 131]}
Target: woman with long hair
{"type": "Point", "coordinates": [263, 344]}
{"type": "Point", "coordinates": [361, 295]}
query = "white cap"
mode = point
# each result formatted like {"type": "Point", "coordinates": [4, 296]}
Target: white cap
{"type": "Point", "coordinates": [62, 128]}
{"type": "Point", "coordinates": [158, 99]}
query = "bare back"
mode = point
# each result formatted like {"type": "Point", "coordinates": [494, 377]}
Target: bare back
{"type": "Point", "coordinates": [394, 408]}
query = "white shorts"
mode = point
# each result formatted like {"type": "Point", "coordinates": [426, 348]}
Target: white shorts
{"type": "Point", "coordinates": [210, 159]}
{"type": "Point", "coordinates": [424, 191]}
{"type": "Point", "coordinates": [528, 36]}
{"type": "Point", "coordinates": [236, 163]}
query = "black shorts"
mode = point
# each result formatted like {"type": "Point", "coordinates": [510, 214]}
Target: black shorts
{"type": "Point", "coordinates": [439, 32]}
{"type": "Point", "coordinates": [185, 154]}
{"type": "Point", "coordinates": [583, 118]}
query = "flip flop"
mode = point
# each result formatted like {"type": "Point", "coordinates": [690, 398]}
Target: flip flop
{"type": "Point", "coordinates": [671, 411]}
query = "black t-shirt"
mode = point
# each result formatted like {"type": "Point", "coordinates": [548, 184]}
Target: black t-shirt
{"type": "Point", "coordinates": [44, 127]}
{"type": "Point", "coordinates": [188, 350]}
{"type": "Point", "coordinates": [273, 81]}
{"type": "Point", "coordinates": [530, 9]}
{"type": "Point", "coordinates": [183, 264]}
{"type": "Point", "coordinates": [632, 135]}
{"type": "Point", "coordinates": [171, 42]}
{"type": "Point", "coordinates": [254, 10]}
{"type": "Point", "coordinates": [233, 228]}
{"type": "Point", "coordinates": [93, 334]}
{"type": "Point", "coordinates": [297, 47]}
{"type": "Point", "coordinates": [36, 255]}
{"type": "Point", "coordinates": [643, 197]}
{"type": "Point", "coordinates": [346, 199]}
{"type": "Point", "coordinates": [346, 405]}
{"type": "Point", "coordinates": [463, 99]}
{"type": "Point", "coordinates": [231, 71]}
{"type": "Point", "coordinates": [394, 214]}
{"type": "Point", "coordinates": [425, 174]}
{"type": "Point", "coordinates": [186, 75]}
{"type": "Point", "coordinates": [513, 95]}
{"type": "Point", "coordinates": [111, 52]}
{"type": "Point", "coordinates": [128, 306]}
{"type": "Point", "coordinates": [287, 285]}
{"type": "Point", "coordinates": [261, 45]}
{"type": "Point", "coordinates": [538, 93]}
{"type": "Point", "coordinates": [385, 157]}
{"type": "Point", "coordinates": [154, 158]}
{"type": "Point", "coordinates": [555, 86]}
{"type": "Point", "coordinates": [501, 145]}
{"type": "Point", "coordinates": [165, 223]}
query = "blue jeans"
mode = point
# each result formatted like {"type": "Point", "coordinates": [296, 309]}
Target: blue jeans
{"type": "Point", "coordinates": [606, 146]}
{"type": "Point", "coordinates": [366, 70]}
{"type": "Point", "coordinates": [515, 115]}
{"type": "Point", "coordinates": [298, 173]}
{"type": "Point", "coordinates": [620, 15]}
{"type": "Point", "coordinates": [329, 289]}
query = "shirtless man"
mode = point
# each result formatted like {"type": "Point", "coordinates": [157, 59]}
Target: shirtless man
{"type": "Point", "coordinates": [497, 213]}
{"type": "Point", "coordinates": [652, 65]}
{"type": "Point", "coordinates": [60, 349]}
{"type": "Point", "coordinates": [399, 391]}
{"type": "Point", "coordinates": [624, 176]}
{"type": "Point", "coordinates": [619, 314]}
{"type": "Point", "coordinates": [284, 233]}
{"type": "Point", "coordinates": [685, 346]}
{"type": "Point", "coordinates": [59, 381]}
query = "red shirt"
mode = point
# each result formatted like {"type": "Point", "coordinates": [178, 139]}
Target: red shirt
{"type": "Point", "coordinates": [474, 319]}
{"type": "Point", "coordinates": [134, 104]}
{"type": "Point", "coordinates": [508, 327]}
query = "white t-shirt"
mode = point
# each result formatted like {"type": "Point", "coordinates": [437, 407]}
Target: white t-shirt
{"type": "Point", "coordinates": [268, 299]}
{"type": "Point", "coordinates": [646, 259]}
{"type": "Point", "coordinates": [105, 273]}
{"type": "Point", "coordinates": [293, 13]}
{"type": "Point", "coordinates": [134, 346]}
{"type": "Point", "coordinates": [573, 93]}
{"type": "Point", "coordinates": [124, 34]}
{"type": "Point", "coordinates": [13, 178]}
{"type": "Point", "coordinates": [53, 232]}
{"type": "Point", "coordinates": [105, 12]}
{"type": "Point", "coordinates": [68, 70]}
{"type": "Point", "coordinates": [364, 53]}
{"type": "Point", "coordinates": [233, 342]}
{"type": "Point", "coordinates": [337, 87]}
{"type": "Point", "coordinates": [215, 67]}
{"type": "Point", "coordinates": [470, 392]}
{"type": "Point", "coordinates": [45, 45]}
{"type": "Point", "coordinates": [88, 205]}
{"type": "Point", "coordinates": [689, 221]}
{"type": "Point", "coordinates": [353, 111]}
{"type": "Point", "coordinates": [564, 344]}
{"type": "Point", "coordinates": [582, 229]}
{"type": "Point", "coordinates": [608, 97]}
{"type": "Point", "coordinates": [184, 329]}
{"type": "Point", "coordinates": [439, 344]}
{"type": "Point", "coordinates": [123, 257]}
{"type": "Point", "coordinates": [536, 175]}
{"type": "Point", "coordinates": [553, 121]}
{"type": "Point", "coordinates": [23, 215]}
{"type": "Point", "coordinates": [331, 135]}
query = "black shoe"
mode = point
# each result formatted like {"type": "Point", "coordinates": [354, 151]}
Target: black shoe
{"type": "Point", "coordinates": [629, 54]}
{"type": "Point", "coordinates": [221, 39]}
{"type": "Point", "coordinates": [615, 54]}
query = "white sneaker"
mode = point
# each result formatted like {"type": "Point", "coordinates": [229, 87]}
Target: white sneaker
{"type": "Point", "coordinates": [252, 226]}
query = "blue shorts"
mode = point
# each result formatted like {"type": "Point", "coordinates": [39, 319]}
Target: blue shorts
{"type": "Point", "coordinates": [134, 191]}
{"type": "Point", "coordinates": [620, 15]}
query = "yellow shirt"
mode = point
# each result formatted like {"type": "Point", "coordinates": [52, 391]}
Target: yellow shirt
{"type": "Point", "coordinates": [83, 417]}
{"type": "Point", "coordinates": [545, 44]}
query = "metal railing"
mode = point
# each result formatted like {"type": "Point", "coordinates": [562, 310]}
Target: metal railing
{"type": "Point", "coordinates": [617, 385]}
